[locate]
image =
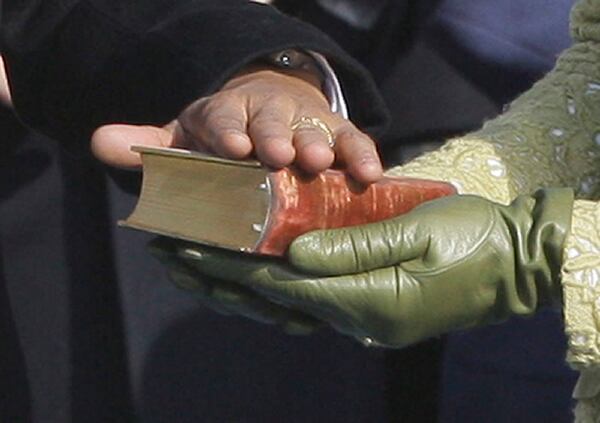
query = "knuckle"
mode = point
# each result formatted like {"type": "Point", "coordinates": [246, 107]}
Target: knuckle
{"type": "Point", "coordinates": [218, 102]}
{"type": "Point", "coordinates": [264, 121]}
{"type": "Point", "coordinates": [352, 136]}
{"type": "Point", "coordinates": [273, 101]}
{"type": "Point", "coordinates": [275, 97]}
{"type": "Point", "coordinates": [197, 107]}
{"type": "Point", "coordinates": [221, 122]}
{"type": "Point", "coordinates": [223, 98]}
{"type": "Point", "coordinates": [267, 128]}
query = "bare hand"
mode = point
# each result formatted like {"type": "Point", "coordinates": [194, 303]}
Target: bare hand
{"type": "Point", "coordinates": [251, 116]}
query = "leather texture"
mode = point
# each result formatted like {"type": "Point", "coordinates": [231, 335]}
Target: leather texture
{"type": "Point", "coordinates": [453, 263]}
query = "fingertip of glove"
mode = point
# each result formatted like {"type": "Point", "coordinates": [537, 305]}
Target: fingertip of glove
{"type": "Point", "coordinates": [190, 253]}
{"type": "Point", "coordinates": [184, 281]}
{"type": "Point", "coordinates": [303, 248]}
{"type": "Point", "coordinates": [319, 254]}
{"type": "Point", "coordinates": [299, 328]}
{"type": "Point", "coordinates": [299, 260]}
{"type": "Point", "coordinates": [161, 248]}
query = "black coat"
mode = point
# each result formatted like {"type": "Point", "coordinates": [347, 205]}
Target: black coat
{"type": "Point", "coordinates": [74, 65]}
{"type": "Point", "coordinates": [91, 329]}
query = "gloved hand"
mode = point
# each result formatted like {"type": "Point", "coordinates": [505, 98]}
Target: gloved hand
{"type": "Point", "coordinates": [452, 263]}
{"type": "Point", "coordinates": [224, 297]}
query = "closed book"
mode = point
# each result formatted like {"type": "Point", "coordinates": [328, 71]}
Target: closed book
{"type": "Point", "coordinates": [243, 206]}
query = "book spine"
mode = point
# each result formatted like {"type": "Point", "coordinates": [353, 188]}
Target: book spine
{"type": "Point", "coordinates": [301, 203]}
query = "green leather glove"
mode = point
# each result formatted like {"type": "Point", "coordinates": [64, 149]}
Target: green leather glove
{"type": "Point", "coordinates": [224, 297]}
{"type": "Point", "coordinates": [452, 263]}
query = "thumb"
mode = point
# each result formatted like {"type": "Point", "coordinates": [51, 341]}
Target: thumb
{"type": "Point", "coordinates": [112, 144]}
{"type": "Point", "coordinates": [358, 248]}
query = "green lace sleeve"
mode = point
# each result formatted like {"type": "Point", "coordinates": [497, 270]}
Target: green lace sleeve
{"type": "Point", "coordinates": [549, 136]}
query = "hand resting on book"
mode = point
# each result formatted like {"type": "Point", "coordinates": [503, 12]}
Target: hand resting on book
{"type": "Point", "coordinates": [252, 115]}
{"type": "Point", "coordinates": [452, 263]}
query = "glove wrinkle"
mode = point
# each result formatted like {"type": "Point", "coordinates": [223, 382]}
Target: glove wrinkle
{"type": "Point", "coordinates": [450, 264]}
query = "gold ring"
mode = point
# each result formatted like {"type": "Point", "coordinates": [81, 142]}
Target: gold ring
{"type": "Point", "coordinates": [313, 122]}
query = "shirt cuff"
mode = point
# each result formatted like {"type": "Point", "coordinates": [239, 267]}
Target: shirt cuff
{"type": "Point", "coordinates": [331, 85]}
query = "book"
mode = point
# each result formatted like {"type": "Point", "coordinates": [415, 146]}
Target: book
{"type": "Point", "coordinates": [243, 206]}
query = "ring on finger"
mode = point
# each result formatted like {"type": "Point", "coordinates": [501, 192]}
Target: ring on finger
{"type": "Point", "coordinates": [315, 123]}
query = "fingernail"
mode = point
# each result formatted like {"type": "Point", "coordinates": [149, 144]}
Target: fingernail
{"type": "Point", "coordinates": [368, 159]}
{"type": "Point", "coordinates": [371, 170]}
{"type": "Point", "coordinates": [370, 162]}
{"type": "Point", "coordinates": [191, 253]}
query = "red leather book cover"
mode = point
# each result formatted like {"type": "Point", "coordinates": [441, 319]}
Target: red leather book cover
{"type": "Point", "coordinates": [301, 203]}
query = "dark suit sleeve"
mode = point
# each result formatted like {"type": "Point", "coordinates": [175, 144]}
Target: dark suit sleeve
{"type": "Point", "coordinates": [75, 64]}
{"type": "Point", "coordinates": [378, 46]}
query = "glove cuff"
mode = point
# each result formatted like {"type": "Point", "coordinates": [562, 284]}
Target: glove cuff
{"type": "Point", "coordinates": [552, 222]}
{"type": "Point", "coordinates": [537, 226]}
